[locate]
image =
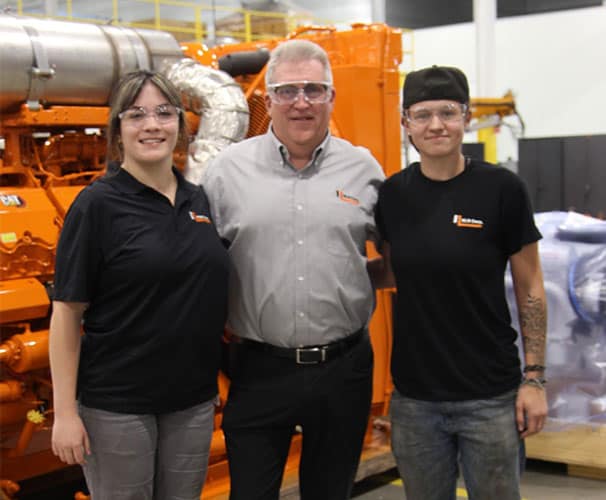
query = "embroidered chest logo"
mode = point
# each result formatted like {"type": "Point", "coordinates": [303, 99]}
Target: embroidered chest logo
{"type": "Point", "coordinates": [199, 218]}
{"type": "Point", "coordinates": [460, 221]}
{"type": "Point", "coordinates": [346, 198]}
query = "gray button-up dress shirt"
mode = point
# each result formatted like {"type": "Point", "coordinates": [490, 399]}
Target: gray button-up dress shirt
{"type": "Point", "coordinates": [297, 238]}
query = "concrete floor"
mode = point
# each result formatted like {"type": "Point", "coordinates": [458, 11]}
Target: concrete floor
{"type": "Point", "coordinates": [541, 481]}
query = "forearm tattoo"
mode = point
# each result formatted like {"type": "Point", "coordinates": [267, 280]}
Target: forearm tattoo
{"type": "Point", "coordinates": [533, 323]}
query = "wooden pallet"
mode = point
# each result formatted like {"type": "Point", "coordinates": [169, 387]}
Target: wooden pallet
{"type": "Point", "coordinates": [581, 447]}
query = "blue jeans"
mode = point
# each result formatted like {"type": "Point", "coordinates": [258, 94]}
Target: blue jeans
{"type": "Point", "coordinates": [430, 439]}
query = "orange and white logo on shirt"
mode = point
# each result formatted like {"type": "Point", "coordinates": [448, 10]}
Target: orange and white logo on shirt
{"type": "Point", "coordinates": [346, 198]}
{"type": "Point", "coordinates": [199, 218]}
{"type": "Point", "coordinates": [460, 221]}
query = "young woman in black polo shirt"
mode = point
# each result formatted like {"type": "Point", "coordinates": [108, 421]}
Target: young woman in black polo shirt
{"type": "Point", "coordinates": [141, 268]}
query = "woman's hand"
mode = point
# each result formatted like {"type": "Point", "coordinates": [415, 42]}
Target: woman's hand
{"type": "Point", "coordinates": [70, 439]}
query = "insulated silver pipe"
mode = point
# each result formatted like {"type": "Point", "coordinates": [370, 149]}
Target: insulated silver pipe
{"type": "Point", "coordinates": [46, 62]}
{"type": "Point", "coordinates": [57, 62]}
{"type": "Point", "coordinates": [223, 108]}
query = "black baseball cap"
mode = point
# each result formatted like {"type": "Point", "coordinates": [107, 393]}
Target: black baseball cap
{"type": "Point", "coordinates": [435, 83]}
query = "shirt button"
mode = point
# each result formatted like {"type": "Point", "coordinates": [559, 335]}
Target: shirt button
{"type": "Point", "coordinates": [301, 314]}
{"type": "Point", "coordinates": [299, 242]}
{"type": "Point", "coordinates": [299, 207]}
{"type": "Point", "coordinates": [300, 278]}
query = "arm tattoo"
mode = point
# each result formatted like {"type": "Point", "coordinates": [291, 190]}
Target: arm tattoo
{"type": "Point", "coordinates": [533, 323]}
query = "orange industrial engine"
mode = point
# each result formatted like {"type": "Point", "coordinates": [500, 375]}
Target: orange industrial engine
{"type": "Point", "coordinates": [53, 111]}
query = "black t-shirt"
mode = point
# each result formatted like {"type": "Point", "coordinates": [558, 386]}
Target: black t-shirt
{"type": "Point", "coordinates": [450, 244]}
{"type": "Point", "coordinates": [155, 277]}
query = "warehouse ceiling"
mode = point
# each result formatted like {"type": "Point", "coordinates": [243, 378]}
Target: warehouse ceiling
{"type": "Point", "coordinates": [339, 10]}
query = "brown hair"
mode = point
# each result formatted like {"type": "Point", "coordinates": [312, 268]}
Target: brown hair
{"type": "Point", "coordinates": [124, 95]}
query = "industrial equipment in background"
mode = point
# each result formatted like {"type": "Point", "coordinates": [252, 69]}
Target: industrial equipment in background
{"type": "Point", "coordinates": [54, 88]}
{"type": "Point", "coordinates": [573, 258]}
{"type": "Point", "coordinates": [489, 112]}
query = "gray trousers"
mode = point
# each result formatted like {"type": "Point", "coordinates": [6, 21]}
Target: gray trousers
{"type": "Point", "coordinates": [148, 457]}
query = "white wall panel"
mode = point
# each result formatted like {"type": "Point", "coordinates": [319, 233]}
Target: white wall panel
{"type": "Point", "coordinates": [554, 63]}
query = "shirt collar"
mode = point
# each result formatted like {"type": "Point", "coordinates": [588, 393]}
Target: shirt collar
{"type": "Point", "coordinates": [279, 152]}
{"type": "Point", "coordinates": [127, 184]}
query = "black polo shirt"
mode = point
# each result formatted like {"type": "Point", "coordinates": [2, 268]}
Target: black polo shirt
{"type": "Point", "coordinates": [155, 277]}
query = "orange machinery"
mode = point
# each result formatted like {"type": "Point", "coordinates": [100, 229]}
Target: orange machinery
{"type": "Point", "coordinates": [53, 111]}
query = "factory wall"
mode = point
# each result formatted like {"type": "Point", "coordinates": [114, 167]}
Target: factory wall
{"type": "Point", "coordinates": [554, 64]}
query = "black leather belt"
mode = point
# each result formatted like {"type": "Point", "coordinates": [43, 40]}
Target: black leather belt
{"type": "Point", "coordinates": [309, 355]}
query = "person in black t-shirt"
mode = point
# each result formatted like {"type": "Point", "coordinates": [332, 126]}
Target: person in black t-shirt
{"type": "Point", "coordinates": [141, 268]}
{"type": "Point", "coordinates": [450, 227]}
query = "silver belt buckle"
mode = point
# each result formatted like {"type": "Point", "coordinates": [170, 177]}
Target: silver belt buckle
{"type": "Point", "coordinates": [310, 349]}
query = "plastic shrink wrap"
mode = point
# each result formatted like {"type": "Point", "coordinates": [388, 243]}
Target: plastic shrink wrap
{"type": "Point", "coordinates": [573, 258]}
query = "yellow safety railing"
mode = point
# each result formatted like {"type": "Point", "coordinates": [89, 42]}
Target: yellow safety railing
{"type": "Point", "coordinates": [239, 24]}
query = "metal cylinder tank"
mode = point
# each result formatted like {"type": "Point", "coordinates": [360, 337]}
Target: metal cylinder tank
{"type": "Point", "coordinates": [55, 62]}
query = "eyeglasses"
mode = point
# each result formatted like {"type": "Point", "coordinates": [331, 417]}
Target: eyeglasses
{"type": "Point", "coordinates": [164, 113]}
{"type": "Point", "coordinates": [288, 93]}
{"type": "Point", "coordinates": [448, 114]}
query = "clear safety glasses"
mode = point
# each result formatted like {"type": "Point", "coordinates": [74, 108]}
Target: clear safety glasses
{"type": "Point", "coordinates": [288, 93]}
{"type": "Point", "coordinates": [450, 113]}
{"type": "Point", "coordinates": [164, 113]}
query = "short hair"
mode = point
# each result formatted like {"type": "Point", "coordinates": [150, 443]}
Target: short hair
{"type": "Point", "coordinates": [125, 93]}
{"type": "Point", "coordinates": [297, 51]}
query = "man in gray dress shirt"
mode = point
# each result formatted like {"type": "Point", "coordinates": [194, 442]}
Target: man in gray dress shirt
{"type": "Point", "coordinates": [295, 206]}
